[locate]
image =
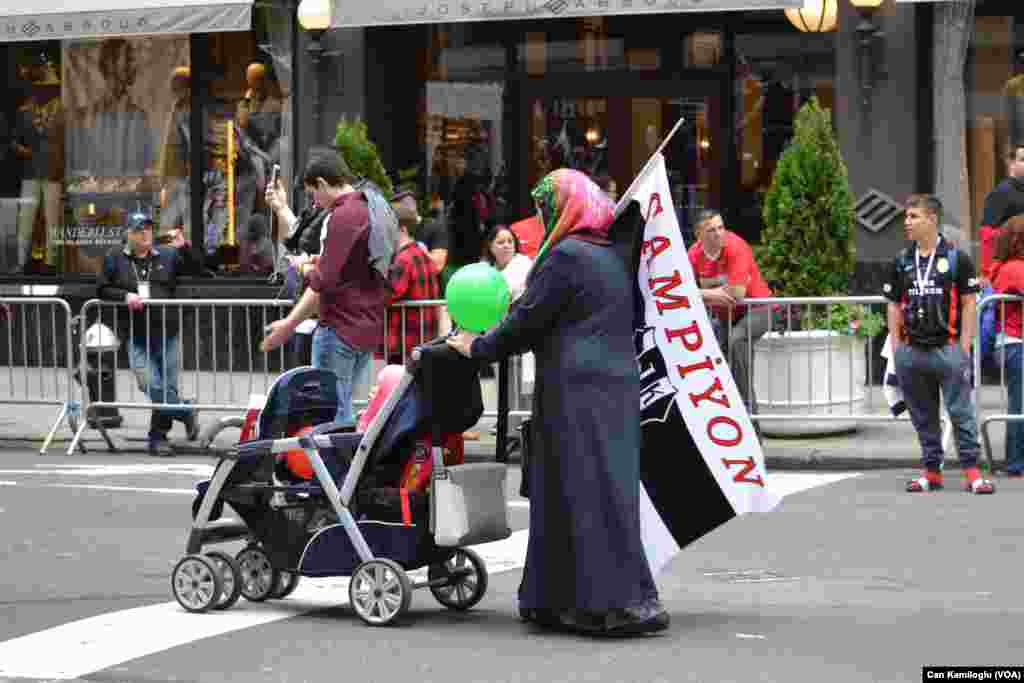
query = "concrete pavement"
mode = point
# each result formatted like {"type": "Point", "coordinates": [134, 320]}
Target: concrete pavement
{"type": "Point", "coordinates": [848, 580]}
{"type": "Point", "coordinates": [874, 445]}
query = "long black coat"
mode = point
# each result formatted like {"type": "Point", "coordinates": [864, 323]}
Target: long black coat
{"type": "Point", "coordinates": [576, 315]}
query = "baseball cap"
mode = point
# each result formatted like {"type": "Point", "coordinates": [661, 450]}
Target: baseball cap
{"type": "Point", "coordinates": [139, 221]}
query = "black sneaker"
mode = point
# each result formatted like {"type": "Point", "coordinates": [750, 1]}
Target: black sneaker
{"type": "Point", "coordinates": [192, 425]}
{"type": "Point", "coordinates": [636, 621]}
{"type": "Point", "coordinates": [160, 448]}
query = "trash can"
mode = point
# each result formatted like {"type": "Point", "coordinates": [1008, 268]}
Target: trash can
{"type": "Point", "coordinates": [101, 346]}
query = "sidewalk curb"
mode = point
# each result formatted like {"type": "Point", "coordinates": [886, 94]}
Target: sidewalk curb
{"type": "Point", "coordinates": [125, 444]}
{"type": "Point", "coordinates": [836, 463]}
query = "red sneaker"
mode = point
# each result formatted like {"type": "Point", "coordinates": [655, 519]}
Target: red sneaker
{"type": "Point", "coordinates": [981, 486]}
{"type": "Point", "coordinates": [923, 484]}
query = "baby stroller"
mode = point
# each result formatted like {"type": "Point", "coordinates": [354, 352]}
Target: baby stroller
{"type": "Point", "coordinates": [350, 518]}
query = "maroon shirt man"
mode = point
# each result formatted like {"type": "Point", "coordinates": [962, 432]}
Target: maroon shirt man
{"type": "Point", "coordinates": [353, 296]}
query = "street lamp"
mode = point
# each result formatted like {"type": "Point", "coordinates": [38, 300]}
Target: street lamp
{"type": "Point", "coordinates": [315, 17]}
{"type": "Point", "coordinates": [867, 37]}
{"type": "Point", "coordinates": [816, 16]}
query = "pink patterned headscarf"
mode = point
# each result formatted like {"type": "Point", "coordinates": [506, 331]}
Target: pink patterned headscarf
{"type": "Point", "coordinates": [571, 203]}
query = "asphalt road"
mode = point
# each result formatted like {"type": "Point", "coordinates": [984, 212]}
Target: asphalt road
{"type": "Point", "coordinates": [852, 580]}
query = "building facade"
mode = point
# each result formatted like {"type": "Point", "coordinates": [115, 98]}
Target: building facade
{"type": "Point", "coordinates": [187, 121]}
{"type": "Point", "coordinates": [180, 112]}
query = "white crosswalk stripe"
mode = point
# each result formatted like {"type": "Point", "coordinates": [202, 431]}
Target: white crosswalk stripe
{"type": "Point", "coordinates": [107, 640]}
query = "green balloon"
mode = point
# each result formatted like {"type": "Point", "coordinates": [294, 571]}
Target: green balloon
{"type": "Point", "coordinates": [478, 297]}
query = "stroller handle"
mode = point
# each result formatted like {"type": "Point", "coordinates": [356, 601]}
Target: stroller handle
{"type": "Point", "coordinates": [435, 349]}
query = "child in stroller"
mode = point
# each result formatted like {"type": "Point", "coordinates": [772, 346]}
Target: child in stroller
{"type": "Point", "coordinates": [353, 517]}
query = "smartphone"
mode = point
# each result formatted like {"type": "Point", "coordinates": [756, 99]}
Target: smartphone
{"type": "Point", "coordinates": [276, 175]}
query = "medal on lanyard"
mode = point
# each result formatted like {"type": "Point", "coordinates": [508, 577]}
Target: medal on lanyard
{"type": "Point", "coordinates": [922, 280]}
{"type": "Point", "coordinates": [143, 285]}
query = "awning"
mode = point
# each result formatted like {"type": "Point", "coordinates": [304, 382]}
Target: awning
{"type": "Point", "coordinates": [61, 19]}
{"type": "Point", "coordinates": [352, 13]}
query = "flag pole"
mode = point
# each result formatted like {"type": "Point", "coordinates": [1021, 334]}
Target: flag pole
{"type": "Point", "coordinates": [621, 206]}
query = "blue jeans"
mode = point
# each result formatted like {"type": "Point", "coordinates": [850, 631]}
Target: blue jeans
{"type": "Point", "coordinates": [154, 361]}
{"type": "Point", "coordinates": [922, 373]}
{"type": "Point", "coordinates": [1014, 430]}
{"type": "Point", "coordinates": [331, 352]}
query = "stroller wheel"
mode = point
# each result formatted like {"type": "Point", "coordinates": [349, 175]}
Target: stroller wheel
{"type": "Point", "coordinates": [196, 583]}
{"type": "Point", "coordinates": [466, 577]}
{"type": "Point", "coordinates": [258, 575]}
{"type": "Point", "coordinates": [379, 591]}
{"type": "Point", "coordinates": [286, 584]}
{"type": "Point", "coordinates": [230, 577]}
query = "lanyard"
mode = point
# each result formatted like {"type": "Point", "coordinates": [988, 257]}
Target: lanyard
{"type": "Point", "coordinates": [923, 279]}
{"type": "Point", "coordinates": [146, 269]}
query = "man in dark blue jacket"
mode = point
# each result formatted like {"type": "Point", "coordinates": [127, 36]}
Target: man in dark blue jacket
{"type": "Point", "coordinates": [134, 273]}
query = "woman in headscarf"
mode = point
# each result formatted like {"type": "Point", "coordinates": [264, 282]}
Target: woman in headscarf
{"type": "Point", "coordinates": [585, 565]}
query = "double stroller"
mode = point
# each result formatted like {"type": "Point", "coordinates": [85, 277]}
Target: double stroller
{"type": "Point", "coordinates": [353, 516]}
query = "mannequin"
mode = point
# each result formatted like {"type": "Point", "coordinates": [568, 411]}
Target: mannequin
{"type": "Point", "coordinates": [175, 155]}
{"type": "Point", "coordinates": [259, 124]}
{"type": "Point", "coordinates": [38, 141]}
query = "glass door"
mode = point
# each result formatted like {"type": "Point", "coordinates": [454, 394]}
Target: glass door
{"type": "Point", "coordinates": [610, 137]}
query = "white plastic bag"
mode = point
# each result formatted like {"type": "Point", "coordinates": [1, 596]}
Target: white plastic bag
{"type": "Point", "coordinates": [470, 504]}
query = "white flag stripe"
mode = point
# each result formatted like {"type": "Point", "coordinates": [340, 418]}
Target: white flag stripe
{"type": "Point", "coordinates": [706, 393]}
{"type": "Point", "coordinates": [659, 546]}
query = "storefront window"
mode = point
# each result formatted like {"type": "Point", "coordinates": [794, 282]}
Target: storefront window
{"type": "Point", "coordinates": [776, 73]}
{"type": "Point", "coordinates": [32, 151]}
{"type": "Point", "coordinates": [995, 102]}
{"type": "Point", "coordinates": [115, 110]}
{"type": "Point", "coordinates": [93, 130]}
{"type": "Point", "coordinates": [462, 116]}
{"type": "Point", "coordinates": [242, 129]}
{"type": "Point", "coordinates": [610, 138]}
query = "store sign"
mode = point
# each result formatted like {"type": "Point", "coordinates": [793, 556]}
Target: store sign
{"type": "Point", "coordinates": [122, 20]}
{"type": "Point", "coordinates": [104, 236]}
{"type": "Point", "coordinates": [396, 12]}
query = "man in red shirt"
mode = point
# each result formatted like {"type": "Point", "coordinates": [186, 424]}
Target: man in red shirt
{"type": "Point", "coordinates": [348, 292]}
{"type": "Point", "coordinates": [726, 271]}
{"type": "Point", "coordinates": [413, 278]}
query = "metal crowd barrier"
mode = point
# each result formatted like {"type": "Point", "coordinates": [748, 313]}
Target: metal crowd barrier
{"type": "Point", "coordinates": [214, 354]}
{"type": "Point", "coordinates": [839, 406]}
{"type": "Point", "coordinates": [36, 358]}
{"type": "Point", "coordinates": [834, 387]}
{"type": "Point", "coordinates": [985, 422]}
{"type": "Point", "coordinates": [219, 365]}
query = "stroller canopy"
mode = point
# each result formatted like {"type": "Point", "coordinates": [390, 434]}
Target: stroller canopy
{"type": "Point", "coordinates": [301, 396]}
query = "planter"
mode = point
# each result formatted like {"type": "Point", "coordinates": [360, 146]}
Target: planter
{"type": "Point", "coordinates": [809, 373]}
